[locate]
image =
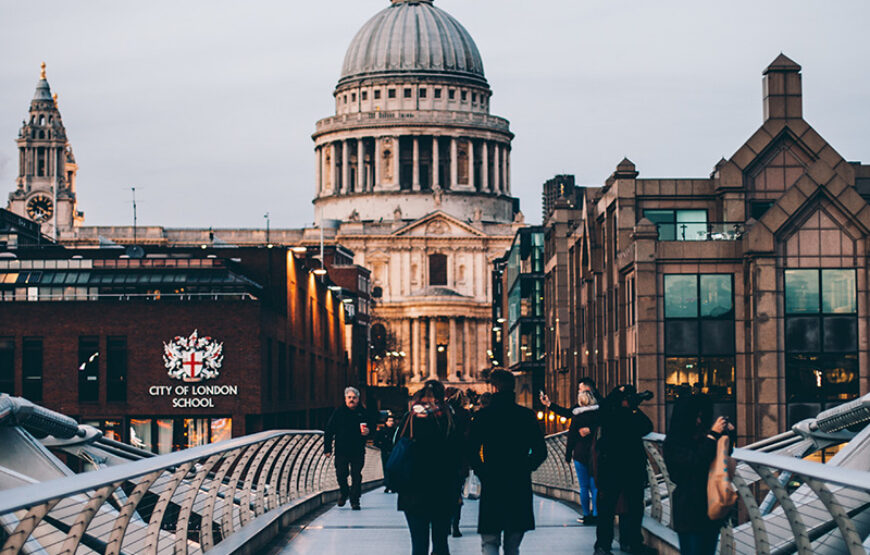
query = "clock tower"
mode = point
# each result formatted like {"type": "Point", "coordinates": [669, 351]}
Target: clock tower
{"type": "Point", "coordinates": [45, 188]}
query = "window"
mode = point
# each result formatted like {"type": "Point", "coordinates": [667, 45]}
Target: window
{"type": "Point", "coordinates": [89, 369]}
{"type": "Point", "coordinates": [31, 365]}
{"type": "Point", "coordinates": [391, 93]}
{"type": "Point", "coordinates": [821, 338]}
{"type": "Point", "coordinates": [699, 337]}
{"type": "Point", "coordinates": [364, 95]}
{"type": "Point", "coordinates": [422, 93]}
{"type": "Point", "coordinates": [116, 369]}
{"type": "Point", "coordinates": [474, 97]}
{"type": "Point", "coordinates": [353, 97]}
{"type": "Point", "coordinates": [757, 208]}
{"type": "Point", "coordinates": [7, 365]}
{"type": "Point", "coordinates": [345, 99]}
{"type": "Point", "coordinates": [408, 93]}
{"type": "Point", "coordinates": [437, 93]}
{"type": "Point", "coordinates": [679, 225]}
{"type": "Point", "coordinates": [377, 94]}
{"type": "Point", "coordinates": [451, 94]}
{"type": "Point", "coordinates": [437, 269]}
{"type": "Point", "coordinates": [464, 96]}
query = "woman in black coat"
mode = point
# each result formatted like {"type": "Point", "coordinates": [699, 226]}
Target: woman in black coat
{"type": "Point", "coordinates": [578, 449]}
{"type": "Point", "coordinates": [430, 499]}
{"type": "Point", "coordinates": [689, 449]}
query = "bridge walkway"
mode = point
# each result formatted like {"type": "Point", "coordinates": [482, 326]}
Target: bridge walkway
{"type": "Point", "coordinates": [379, 529]}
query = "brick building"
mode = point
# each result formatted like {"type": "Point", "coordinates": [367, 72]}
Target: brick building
{"type": "Point", "coordinates": [749, 284]}
{"type": "Point", "coordinates": [174, 348]}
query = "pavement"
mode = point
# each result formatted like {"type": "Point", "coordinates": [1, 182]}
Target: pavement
{"type": "Point", "coordinates": [379, 529]}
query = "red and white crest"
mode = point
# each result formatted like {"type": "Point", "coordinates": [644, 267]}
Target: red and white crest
{"type": "Point", "coordinates": [194, 358]}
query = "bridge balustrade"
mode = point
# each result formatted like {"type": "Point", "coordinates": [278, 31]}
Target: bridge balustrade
{"type": "Point", "coordinates": [208, 498]}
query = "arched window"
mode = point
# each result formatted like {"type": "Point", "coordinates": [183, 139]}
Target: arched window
{"type": "Point", "coordinates": [41, 120]}
{"type": "Point", "coordinates": [437, 269]}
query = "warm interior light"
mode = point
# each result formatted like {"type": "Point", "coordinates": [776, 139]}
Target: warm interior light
{"type": "Point", "coordinates": [440, 348]}
{"type": "Point", "coordinates": [299, 250]}
{"type": "Point", "coordinates": [540, 415]}
{"type": "Point", "coordinates": [562, 419]}
{"type": "Point", "coordinates": [335, 288]}
{"type": "Point", "coordinates": [552, 417]}
{"type": "Point", "coordinates": [319, 272]}
{"type": "Point", "coordinates": [500, 320]}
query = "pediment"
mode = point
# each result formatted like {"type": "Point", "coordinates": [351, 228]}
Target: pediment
{"type": "Point", "coordinates": [438, 224]}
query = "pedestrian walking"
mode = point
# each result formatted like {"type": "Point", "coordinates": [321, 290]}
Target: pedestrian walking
{"type": "Point", "coordinates": [505, 446]}
{"type": "Point", "coordinates": [430, 498]}
{"type": "Point", "coordinates": [689, 450]}
{"type": "Point", "coordinates": [385, 440]}
{"type": "Point", "coordinates": [348, 428]}
{"type": "Point", "coordinates": [462, 418]}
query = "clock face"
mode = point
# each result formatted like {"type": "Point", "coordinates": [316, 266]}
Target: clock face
{"type": "Point", "coordinates": [40, 208]}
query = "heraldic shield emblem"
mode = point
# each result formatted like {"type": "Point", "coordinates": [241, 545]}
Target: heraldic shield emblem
{"type": "Point", "coordinates": [194, 358]}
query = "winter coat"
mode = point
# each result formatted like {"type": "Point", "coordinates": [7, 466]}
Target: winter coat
{"type": "Point", "coordinates": [579, 448]}
{"type": "Point", "coordinates": [688, 464]}
{"type": "Point", "coordinates": [436, 456]}
{"type": "Point", "coordinates": [620, 455]}
{"type": "Point", "coordinates": [384, 439]}
{"type": "Point", "coordinates": [505, 446]}
{"type": "Point", "coordinates": [344, 429]}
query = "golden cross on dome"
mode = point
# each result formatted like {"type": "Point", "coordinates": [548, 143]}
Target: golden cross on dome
{"type": "Point", "coordinates": [42, 73]}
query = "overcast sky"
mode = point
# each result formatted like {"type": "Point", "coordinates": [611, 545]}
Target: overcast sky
{"type": "Point", "coordinates": [207, 107]}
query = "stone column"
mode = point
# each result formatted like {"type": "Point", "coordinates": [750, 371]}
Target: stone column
{"type": "Point", "coordinates": [345, 167]}
{"type": "Point", "coordinates": [482, 346]}
{"type": "Point", "coordinates": [496, 168]}
{"type": "Point", "coordinates": [318, 184]}
{"type": "Point", "coordinates": [454, 163]}
{"type": "Point", "coordinates": [453, 343]}
{"type": "Point", "coordinates": [415, 169]}
{"type": "Point", "coordinates": [416, 348]}
{"type": "Point", "coordinates": [467, 349]}
{"type": "Point", "coordinates": [471, 163]}
{"type": "Point", "coordinates": [433, 350]}
{"type": "Point", "coordinates": [360, 166]}
{"type": "Point", "coordinates": [376, 162]}
{"type": "Point", "coordinates": [484, 169]}
{"type": "Point", "coordinates": [332, 165]}
{"type": "Point", "coordinates": [435, 153]}
{"type": "Point", "coordinates": [505, 170]}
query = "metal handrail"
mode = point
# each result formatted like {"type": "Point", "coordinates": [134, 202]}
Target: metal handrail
{"type": "Point", "coordinates": [786, 504]}
{"type": "Point", "coordinates": [189, 500]}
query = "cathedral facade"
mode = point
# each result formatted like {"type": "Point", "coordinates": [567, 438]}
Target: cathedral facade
{"type": "Point", "coordinates": [412, 174]}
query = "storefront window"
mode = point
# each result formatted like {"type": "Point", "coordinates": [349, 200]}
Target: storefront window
{"type": "Point", "coordinates": [173, 434]}
{"type": "Point", "coordinates": [140, 433]}
{"type": "Point", "coordinates": [221, 429]}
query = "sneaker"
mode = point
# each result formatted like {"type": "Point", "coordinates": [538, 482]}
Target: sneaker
{"type": "Point", "coordinates": [387, 490]}
{"type": "Point", "coordinates": [355, 506]}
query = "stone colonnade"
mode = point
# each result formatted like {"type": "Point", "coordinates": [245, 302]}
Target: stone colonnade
{"type": "Point", "coordinates": [463, 340]}
{"type": "Point", "coordinates": [456, 163]}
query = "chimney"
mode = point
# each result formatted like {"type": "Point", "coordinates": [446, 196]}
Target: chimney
{"type": "Point", "coordinates": [782, 89]}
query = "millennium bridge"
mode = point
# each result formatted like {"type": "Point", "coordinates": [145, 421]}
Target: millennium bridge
{"type": "Point", "coordinates": [274, 492]}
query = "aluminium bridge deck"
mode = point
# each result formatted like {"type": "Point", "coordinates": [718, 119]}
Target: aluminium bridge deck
{"type": "Point", "coordinates": [379, 529]}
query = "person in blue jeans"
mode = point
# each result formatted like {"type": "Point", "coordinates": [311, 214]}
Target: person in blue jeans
{"type": "Point", "coordinates": [584, 422]}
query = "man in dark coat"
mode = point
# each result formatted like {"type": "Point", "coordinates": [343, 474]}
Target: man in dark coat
{"type": "Point", "coordinates": [621, 471]}
{"type": "Point", "coordinates": [505, 446]}
{"type": "Point", "coordinates": [349, 427]}
{"type": "Point", "coordinates": [384, 441]}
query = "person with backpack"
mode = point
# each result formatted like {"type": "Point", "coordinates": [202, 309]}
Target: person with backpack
{"type": "Point", "coordinates": [689, 450]}
{"type": "Point", "coordinates": [384, 441]}
{"type": "Point", "coordinates": [429, 495]}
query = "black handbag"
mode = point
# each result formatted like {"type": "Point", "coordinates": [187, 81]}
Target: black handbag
{"type": "Point", "coordinates": [400, 465]}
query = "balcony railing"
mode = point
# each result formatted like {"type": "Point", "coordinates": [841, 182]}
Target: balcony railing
{"type": "Point", "coordinates": [700, 231]}
{"type": "Point", "coordinates": [413, 117]}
